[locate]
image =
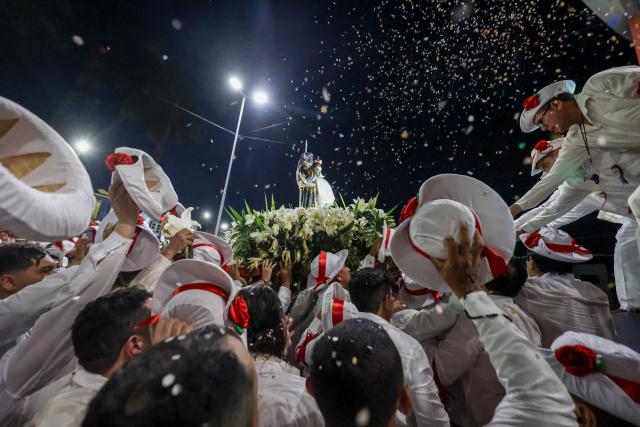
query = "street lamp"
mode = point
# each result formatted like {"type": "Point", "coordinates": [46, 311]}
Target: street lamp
{"type": "Point", "coordinates": [259, 97]}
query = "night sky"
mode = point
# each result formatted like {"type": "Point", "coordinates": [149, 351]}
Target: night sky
{"type": "Point", "coordinates": [387, 93]}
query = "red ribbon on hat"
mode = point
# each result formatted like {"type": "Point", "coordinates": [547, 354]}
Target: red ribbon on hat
{"type": "Point", "coordinates": [239, 313]}
{"type": "Point", "coordinates": [207, 287]}
{"type": "Point", "coordinates": [579, 360]}
{"type": "Point", "coordinates": [409, 209]}
{"type": "Point", "coordinates": [531, 102]}
{"type": "Point", "coordinates": [533, 239]}
{"type": "Point", "coordinates": [386, 239]}
{"type": "Point", "coordinates": [437, 296]}
{"type": "Point", "coordinates": [214, 247]}
{"type": "Point", "coordinates": [149, 321]}
{"type": "Point", "coordinates": [303, 347]}
{"type": "Point", "coordinates": [116, 159]}
{"type": "Point", "coordinates": [58, 244]}
{"type": "Point", "coordinates": [497, 264]}
{"type": "Point", "coordinates": [337, 311]}
{"type": "Point", "coordinates": [322, 278]}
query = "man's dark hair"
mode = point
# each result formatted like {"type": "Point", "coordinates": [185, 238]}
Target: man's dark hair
{"type": "Point", "coordinates": [104, 325]}
{"type": "Point", "coordinates": [188, 382]}
{"type": "Point", "coordinates": [265, 333]}
{"type": "Point", "coordinates": [548, 265]}
{"type": "Point", "coordinates": [509, 284]}
{"type": "Point", "coordinates": [368, 288]}
{"type": "Point", "coordinates": [20, 256]}
{"type": "Point", "coordinates": [356, 374]}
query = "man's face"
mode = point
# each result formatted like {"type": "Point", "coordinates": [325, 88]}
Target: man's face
{"type": "Point", "coordinates": [344, 277]}
{"type": "Point", "coordinates": [14, 281]}
{"type": "Point", "coordinates": [548, 161]}
{"type": "Point", "coordinates": [555, 117]}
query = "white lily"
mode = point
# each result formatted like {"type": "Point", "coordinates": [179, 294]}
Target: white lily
{"type": "Point", "coordinates": [175, 224]}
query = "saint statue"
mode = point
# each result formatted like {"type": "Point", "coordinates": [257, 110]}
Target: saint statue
{"type": "Point", "coordinates": [314, 190]}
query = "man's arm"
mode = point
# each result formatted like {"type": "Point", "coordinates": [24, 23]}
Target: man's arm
{"type": "Point", "coordinates": [619, 82]}
{"type": "Point", "coordinates": [33, 363]}
{"type": "Point", "coordinates": [567, 166]}
{"type": "Point", "coordinates": [428, 323]}
{"type": "Point", "coordinates": [534, 394]}
{"type": "Point", "coordinates": [522, 219]}
{"type": "Point", "coordinates": [568, 198]}
{"type": "Point", "coordinates": [148, 276]}
{"type": "Point", "coordinates": [20, 311]}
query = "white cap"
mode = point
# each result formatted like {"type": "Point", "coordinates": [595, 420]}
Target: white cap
{"type": "Point", "coordinates": [196, 292]}
{"type": "Point", "coordinates": [45, 191]}
{"type": "Point", "coordinates": [325, 267]}
{"type": "Point", "coordinates": [557, 245]}
{"type": "Point", "coordinates": [598, 371]}
{"type": "Point", "coordinates": [336, 307]}
{"type": "Point", "coordinates": [387, 235]}
{"type": "Point", "coordinates": [210, 248]}
{"type": "Point", "coordinates": [416, 296]}
{"type": "Point", "coordinates": [145, 181]}
{"type": "Point", "coordinates": [533, 103]}
{"type": "Point", "coordinates": [541, 150]}
{"type": "Point", "coordinates": [442, 203]}
{"type": "Point", "coordinates": [143, 249]}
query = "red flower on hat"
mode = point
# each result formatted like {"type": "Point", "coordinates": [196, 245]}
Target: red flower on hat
{"type": "Point", "coordinates": [115, 159]}
{"type": "Point", "coordinates": [239, 312]}
{"type": "Point", "coordinates": [531, 102]}
{"type": "Point", "coordinates": [409, 209]}
{"type": "Point", "coordinates": [542, 145]}
{"type": "Point", "coordinates": [578, 360]}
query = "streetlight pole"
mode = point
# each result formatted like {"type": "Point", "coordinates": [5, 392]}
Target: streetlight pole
{"type": "Point", "coordinates": [233, 153]}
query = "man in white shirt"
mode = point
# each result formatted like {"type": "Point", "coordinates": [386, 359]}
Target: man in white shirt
{"type": "Point", "coordinates": [47, 353]}
{"type": "Point", "coordinates": [556, 299]}
{"type": "Point", "coordinates": [370, 291]}
{"type": "Point", "coordinates": [602, 133]}
{"type": "Point", "coordinates": [107, 333]}
{"type": "Point", "coordinates": [23, 265]}
{"type": "Point", "coordinates": [283, 400]}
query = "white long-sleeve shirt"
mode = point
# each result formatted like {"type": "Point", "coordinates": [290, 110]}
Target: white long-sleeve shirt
{"type": "Point", "coordinates": [592, 202]}
{"type": "Point", "coordinates": [418, 376]}
{"type": "Point", "coordinates": [611, 102]}
{"type": "Point", "coordinates": [430, 322]}
{"type": "Point", "coordinates": [47, 354]}
{"type": "Point", "coordinates": [534, 394]}
{"type": "Point", "coordinates": [20, 311]}
{"type": "Point", "coordinates": [148, 276]}
{"type": "Point", "coordinates": [283, 400]}
{"type": "Point", "coordinates": [69, 406]}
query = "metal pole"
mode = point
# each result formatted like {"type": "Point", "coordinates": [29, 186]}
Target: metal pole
{"type": "Point", "coordinates": [226, 181]}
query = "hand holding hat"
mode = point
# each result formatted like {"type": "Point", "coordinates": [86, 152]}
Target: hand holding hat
{"type": "Point", "coordinates": [125, 209]}
{"type": "Point", "coordinates": [460, 270]}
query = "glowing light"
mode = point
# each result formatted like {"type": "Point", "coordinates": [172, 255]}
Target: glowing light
{"type": "Point", "coordinates": [82, 146]}
{"type": "Point", "coordinates": [260, 97]}
{"type": "Point", "coordinates": [206, 215]}
{"type": "Point", "coordinates": [224, 226]}
{"type": "Point", "coordinates": [235, 83]}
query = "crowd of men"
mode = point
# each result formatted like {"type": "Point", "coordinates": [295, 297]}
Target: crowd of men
{"type": "Point", "coordinates": [105, 325]}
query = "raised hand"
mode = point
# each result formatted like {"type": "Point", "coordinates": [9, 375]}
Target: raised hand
{"type": "Point", "coordinates": [460, 270]}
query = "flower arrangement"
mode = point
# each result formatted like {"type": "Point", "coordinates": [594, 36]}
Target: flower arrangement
{"type": "Point", "coordinates": [298, 234]}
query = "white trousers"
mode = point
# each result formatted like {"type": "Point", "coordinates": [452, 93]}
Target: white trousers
{"type": "Point", "coordinates": [626, 264]}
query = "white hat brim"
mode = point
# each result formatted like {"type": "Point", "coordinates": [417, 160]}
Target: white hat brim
{"type": "Point", "coordinates": [221, 244]}
{"type": "Point", "coordinates": [34, 206]}
{"type": "Point", "coordinates": [495, 219]}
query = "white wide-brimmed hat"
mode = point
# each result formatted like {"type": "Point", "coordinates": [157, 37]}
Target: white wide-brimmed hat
{"type": "Point", "coordinates": [336, 307]}
{"type": "Point", "coordinates": [325, 267]}
{"type": "Point", "coordinates": [444, 201]}
{"type": "Point", "coordinates": [387, 235]}
{"type": "Point", "coordinates": [194, 291]}
{"type": "Point", "coordinates": [533, 103]}
{"type": "Point", "coordinates": [143, 249]}
{"type": "Point", "coordinates": [416, 296]}
{"type": "Point", "coordinates": [541, 150]}
{"type": "Point", "coordinates": [557, 245]}
{"type": "Point", "coordinates": [210, 248]}
{"type": "Point", "coordinates": [45, 191]}
{"type": "Point", "coordinates": [145, 181]}
{"type": "Point", "coordinates": [599, 371]}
